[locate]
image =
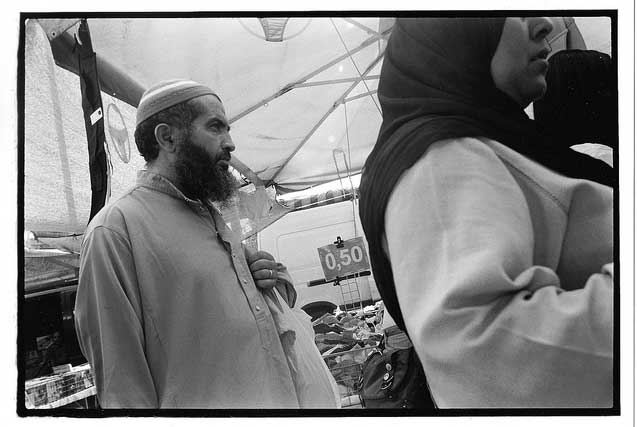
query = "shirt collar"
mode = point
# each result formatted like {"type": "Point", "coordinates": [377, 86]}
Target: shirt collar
{"type": "Point", "coordinates": [160, 183]}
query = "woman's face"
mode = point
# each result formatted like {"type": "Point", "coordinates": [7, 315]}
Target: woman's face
{"type": "Point", "coordinates": [519, 64]}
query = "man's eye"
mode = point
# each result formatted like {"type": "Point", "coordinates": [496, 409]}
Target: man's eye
{"type": "Point", "coordinates": [218, 127]}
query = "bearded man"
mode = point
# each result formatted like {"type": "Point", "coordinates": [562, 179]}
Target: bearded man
{"type": "Point", "coordinates": [169, 312]}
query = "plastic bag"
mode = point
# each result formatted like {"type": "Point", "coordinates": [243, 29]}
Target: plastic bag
{"type": "Point", "coordinates": [314, 383]}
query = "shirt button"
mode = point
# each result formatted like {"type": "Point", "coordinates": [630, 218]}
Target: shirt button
{"type": "Point", "coordinates": [245, 281]}
{"type": "Point", "coordinates": [257, 308]}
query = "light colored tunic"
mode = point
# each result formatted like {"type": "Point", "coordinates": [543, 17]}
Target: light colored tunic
{"type": "Point", "coordinates": [167, 312]}
{"type": "Point", "coordinates": [503, 272]}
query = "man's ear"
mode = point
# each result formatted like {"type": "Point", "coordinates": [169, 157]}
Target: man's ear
{"type": "Point", "coordinates": [164, 137]}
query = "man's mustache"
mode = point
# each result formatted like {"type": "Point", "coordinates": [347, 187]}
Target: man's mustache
{"type": "Point", "coordinates": [227, 157]}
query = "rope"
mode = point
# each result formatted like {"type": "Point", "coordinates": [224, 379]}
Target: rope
{"type": "Point", "coordinates": [349, 175]}
{"type": "Point", "coordinates": [354, 63]}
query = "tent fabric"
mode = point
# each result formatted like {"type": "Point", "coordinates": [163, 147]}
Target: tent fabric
{"type": "Point", "coordinates": [57, 185]}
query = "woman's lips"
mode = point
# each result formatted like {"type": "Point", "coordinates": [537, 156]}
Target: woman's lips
{"type": "Point", "coordinates": [541, 64]}
{"type": "Point", "coordinates": [541, 58]}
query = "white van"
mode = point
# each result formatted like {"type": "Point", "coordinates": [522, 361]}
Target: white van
{"type": "Point", "coordinates": [294, 240]}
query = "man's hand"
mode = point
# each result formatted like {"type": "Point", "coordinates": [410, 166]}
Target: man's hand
{"type": "Point", "coordinates": [263, 267]}
{"type": "Point", "coordinates": [267, 273]}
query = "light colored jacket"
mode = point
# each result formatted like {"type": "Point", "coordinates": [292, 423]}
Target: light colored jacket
{"type": "Point", "coordinates": [503, 272]}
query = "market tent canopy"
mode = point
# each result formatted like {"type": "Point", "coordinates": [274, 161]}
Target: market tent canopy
{"type": "Point", "coordinates": [303, 109]}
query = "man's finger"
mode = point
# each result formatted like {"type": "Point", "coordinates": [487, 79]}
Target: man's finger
{"type": "Point", "coordinates": [263, 264]}
{"type": "Point", "coordinates": [264, 274]}
{"type": "Point", "coordinates": [264, 255]}
{"type": "Point", "coordinates": [265, 284]}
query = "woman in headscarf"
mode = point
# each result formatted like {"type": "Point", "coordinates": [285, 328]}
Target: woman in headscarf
{"type": "Point", "coordinates": [580, 104]}
{"type": "Point", "coordinates": [491, 245]}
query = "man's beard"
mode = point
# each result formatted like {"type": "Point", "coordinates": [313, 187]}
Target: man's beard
{"type": "Point", "coordinates": [200, 177]}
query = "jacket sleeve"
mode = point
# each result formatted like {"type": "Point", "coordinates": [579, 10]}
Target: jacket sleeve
{"type": "Point", "coordinates": [492, 328]}
{"type": "Point", "coordinates": [109, 322]}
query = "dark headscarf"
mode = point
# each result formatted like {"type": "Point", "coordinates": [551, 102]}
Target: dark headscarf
{"type": "Point", "coordinates": [580, 104]}
{"type": "Point", "coordinates": [435, 84]}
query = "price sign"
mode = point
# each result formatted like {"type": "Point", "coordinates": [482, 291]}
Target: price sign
{"type": "Point", "coordinates": [339, 262]}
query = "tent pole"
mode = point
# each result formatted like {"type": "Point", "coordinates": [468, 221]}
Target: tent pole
{"type": "Point", "coordinates": [361, 26]}
{"type": "Point", "coordinates": [362, 95]}
{"type": "Point", "coordinates": [336, 81]}
{"type": "Point", "coordinates": [353, 62]}
{"type": "Point", "coordinates": [325, 116]}
{"type": "Point", "coordinates": [303, 79]}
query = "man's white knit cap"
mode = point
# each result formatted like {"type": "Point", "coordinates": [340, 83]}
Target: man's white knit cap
{"type": "Point", "coordinates": [167, 93]}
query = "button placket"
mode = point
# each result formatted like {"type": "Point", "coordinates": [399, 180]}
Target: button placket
{"type": "Point", "coordinates": [253, 296]}
{"type": "Point", "coordinates": [255, 300]}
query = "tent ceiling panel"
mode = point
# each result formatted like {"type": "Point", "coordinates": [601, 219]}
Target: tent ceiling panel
{"type": "Point", "coordinates": [345, 68]}
{"type": "Point", "coordinates": [364, 87]}
{"type": "Point", "coordinates": [310, 164]}
{"type": "Point", "coordinates": [219, 52]}
{"type": "Point", "coordinates": [269, 135]}
{"type": "Point", "coordinates": [255, 78]}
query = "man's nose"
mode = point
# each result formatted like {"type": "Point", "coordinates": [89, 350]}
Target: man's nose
{"type": "Point", "coordinates": [540, 27]}
{"type": "Point", "coordinates": [228, 144]}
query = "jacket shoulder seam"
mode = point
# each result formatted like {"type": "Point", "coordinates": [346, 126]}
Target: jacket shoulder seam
{"type": "Point", "coordinates": [536, 184]}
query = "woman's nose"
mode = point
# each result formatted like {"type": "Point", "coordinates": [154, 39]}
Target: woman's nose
{"type": "Point", "coordinates": [540, 27]}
